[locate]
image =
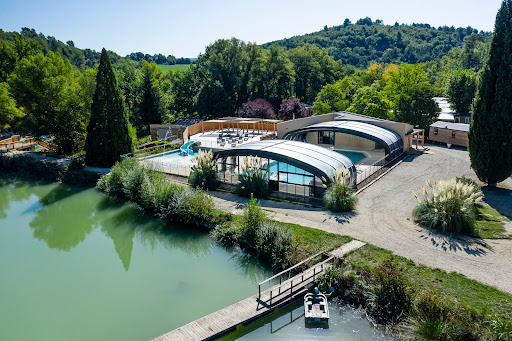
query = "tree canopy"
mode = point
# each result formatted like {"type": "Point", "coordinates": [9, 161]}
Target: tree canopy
{"type": "Point", "coordinates": [490, 136]}
{"type": "Point", "coordinates": [367, 41]}
{"type": "Point", "coordinates": [109, 132]}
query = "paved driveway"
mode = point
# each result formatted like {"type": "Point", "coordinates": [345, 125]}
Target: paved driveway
{"type": "Point", "coordinates": [383, 218]}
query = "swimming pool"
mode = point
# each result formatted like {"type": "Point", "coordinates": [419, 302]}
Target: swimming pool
{"type": "Point", "coordinates": [355, 157]}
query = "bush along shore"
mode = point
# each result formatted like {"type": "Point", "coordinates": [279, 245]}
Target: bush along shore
{"type": "Point", "coordinates": [412, 302]}
{"type": "Point", "coordinates": [27, 166]}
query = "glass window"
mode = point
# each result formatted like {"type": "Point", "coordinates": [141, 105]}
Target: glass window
{"type": "Point", "coordinates": [435, 131]}
{"type": "Point", "coordinates": [466, 120]}
{"type": "Point", "coordinates": [453, 133]}
{"type": "Point", "coordinates": [326, 137]}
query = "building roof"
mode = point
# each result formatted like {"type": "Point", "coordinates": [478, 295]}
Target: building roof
{"type": "Point", "coordinates": [451, 126]}
{"type": "Point", "coordinates": [446, 117]}
{"type": "Point", "coordinates": [185, 122]}
{"type": "Point", "coordinates": [391, 141]}
{"type": "Point", "coordinates": [314, 159]}
{"type": "Point", "coordinates": [461, 114]}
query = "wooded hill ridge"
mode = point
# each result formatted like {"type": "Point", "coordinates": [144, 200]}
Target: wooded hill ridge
{"type": "Point", "coordinates": [86, 58]}
{"type": "Point", "coordinates": [357, 44]}
{"type": "Point", "coordinates": [369, 41]}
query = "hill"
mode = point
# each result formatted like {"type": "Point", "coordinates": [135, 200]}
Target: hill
{"type": "Point", "coordinates": [366, 41]}
{"type": "Point", "coordinates": [80, 58]}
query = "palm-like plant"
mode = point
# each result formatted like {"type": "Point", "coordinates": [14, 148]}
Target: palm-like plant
{"type": "Point", "coordinates": [253, 178]}
{"type": "Point", "coordinates": [203, 173]}
{"type": "Point", "coordinates": [340, 196]}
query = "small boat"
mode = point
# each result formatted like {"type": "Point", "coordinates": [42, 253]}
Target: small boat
{"type": "Point", "coordinates": [316, 309]}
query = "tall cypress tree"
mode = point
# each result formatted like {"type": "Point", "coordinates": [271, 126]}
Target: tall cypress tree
{"type": "Point", "coordinates": [108, 133]}
{"type": "Point", "coordinates": [490, 136]}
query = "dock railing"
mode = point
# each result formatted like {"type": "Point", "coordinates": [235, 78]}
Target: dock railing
{"type": "Point", "coordinates": [289, 270]}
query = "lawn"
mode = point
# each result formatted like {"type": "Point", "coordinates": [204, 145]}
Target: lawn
{"type": "Point", "coordinates": [490, 223]}
{"type": "Point", "coordinates": [175, 67]}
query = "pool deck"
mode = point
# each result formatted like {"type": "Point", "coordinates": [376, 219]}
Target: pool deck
{"type": "Point", "coordinates": [225, 321]}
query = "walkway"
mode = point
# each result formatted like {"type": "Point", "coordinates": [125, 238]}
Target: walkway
{"type": "Point", "coordinates": [383, 218]}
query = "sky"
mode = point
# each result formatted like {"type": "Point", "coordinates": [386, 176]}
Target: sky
{"type": "Point", "coordinates": [184, 28]}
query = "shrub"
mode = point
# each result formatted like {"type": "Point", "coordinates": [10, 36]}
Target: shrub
{"type": "Point", "coordinates": [430, 317]}
{"type": "Point", "coordinates": [114, 183]}
{"type": "Point", "coordinates": [332, 278]}
{"type": "Point", "coordinates": [387, 294]}
{"type": "Point", "coordinates": [132, 179]}
{"type": "Point", "coordinates": [227, 233]}
{"type": "Point", "coordinates": [274, 243]}
{"type": "Point", "coordinates": [340, 196]}
{"type": "Point", "coordinates": [253, 179]}
{"type": "Point", "coordinates": [203, 173]}
{"type": "Point", "coordinates": [251, 219]}
{"type": "Point", "coordinates": [156, 192]}
{"type": "Point", "coordinates": [450, 207]}
{"type": "Point", "coordinates": [190, 206]}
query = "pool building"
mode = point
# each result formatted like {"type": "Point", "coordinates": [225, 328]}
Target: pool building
{"type": "Point", "coordinates": [299, 157]}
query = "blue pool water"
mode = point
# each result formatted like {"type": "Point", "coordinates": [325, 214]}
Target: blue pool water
{"type": "Point", "coordinates": [354, 156]}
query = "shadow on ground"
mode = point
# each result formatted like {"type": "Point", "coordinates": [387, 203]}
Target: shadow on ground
{"type": "Point", "coordinates": [500, 199]}
{"type": "Point", "coordinates": [456, 243]}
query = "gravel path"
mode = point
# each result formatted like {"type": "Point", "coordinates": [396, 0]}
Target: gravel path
{"type": "Point", "coordinates": [383, 218]}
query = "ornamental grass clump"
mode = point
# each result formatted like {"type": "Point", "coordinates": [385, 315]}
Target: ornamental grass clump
{"type": "Point", "coordinates": [448, 206]}
{"type": "Point", "coordinates": [340, 196]}
{"type": "Point", "coordinates": [203, 173]}
{"type": "Point", "coordinates": [253, 178]}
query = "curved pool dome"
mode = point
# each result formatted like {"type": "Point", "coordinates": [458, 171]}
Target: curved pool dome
{"type": "Point", "coordinates": [318, 161]}
{"type": "Point", "coordinates": [389, 140]}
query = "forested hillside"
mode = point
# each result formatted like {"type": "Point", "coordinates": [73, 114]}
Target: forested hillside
{"type": "Point", "coordinates": [81, 58]}
{"type": "Point", "coordinates": [77, 57]}
{"type": "Point", "coordinates": [367, 41]}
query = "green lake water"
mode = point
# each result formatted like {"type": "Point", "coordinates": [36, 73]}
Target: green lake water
{"type": "Point", "coordinates": [77, 265]}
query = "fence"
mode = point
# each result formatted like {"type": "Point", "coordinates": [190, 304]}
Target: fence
{"type": "Point", "coordinates": [172, 169]}
{"type": "Point", "coordinates": [365, 171]}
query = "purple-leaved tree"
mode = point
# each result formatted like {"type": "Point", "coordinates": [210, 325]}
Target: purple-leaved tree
{"type": "Point", "coordinates": [259, 108]}
{"type": "Point", "coordinates": [289, 107]}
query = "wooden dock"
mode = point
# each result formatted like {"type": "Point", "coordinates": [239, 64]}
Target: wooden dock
{"type": "Point", "coordinates": [226, 320]}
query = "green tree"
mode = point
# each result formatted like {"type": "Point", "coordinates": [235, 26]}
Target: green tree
{"type": "Point", "coordinates": [461, 88]}
{"type": "Point", "coordinates": [109, 131]}
{"type": "Point", "coordinates": [335, 97]}
{"type": "Point", "coordinates": [402, 77]}
{"type": "Point", "coordinates": [313, 69]}
{"type": "Point", "coordinates": [9, 112]}
{"type": "Point", "coordinates": [149, 105]}
{"type": "Point", "coordinates": [48, 90]}
{"type": "Point", "coordinates": [369, 101]}
{"type": "Point", "coordinates": [416, 106]}
{"type": "Point", "coordinates": [490, 136]}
